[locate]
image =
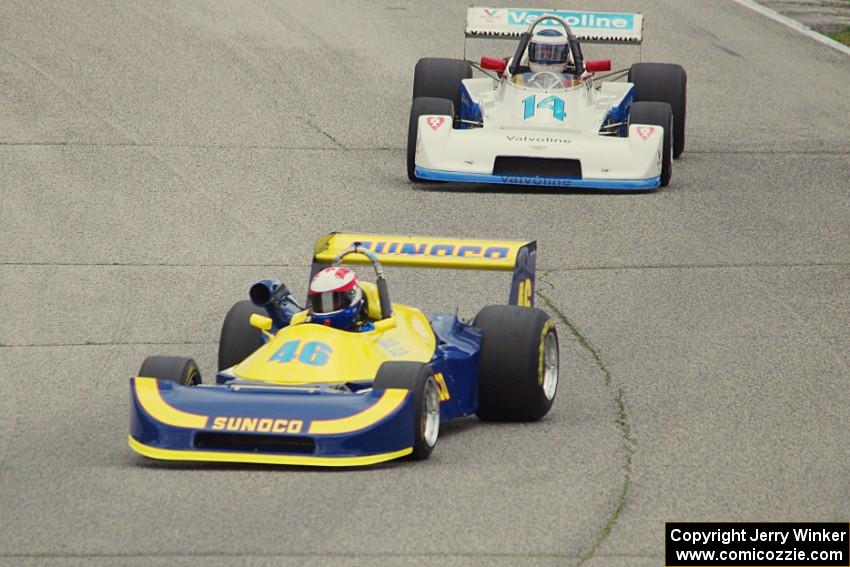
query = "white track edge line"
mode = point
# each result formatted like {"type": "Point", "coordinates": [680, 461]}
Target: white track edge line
{"type": "Point", "coordinates": [794, 24]}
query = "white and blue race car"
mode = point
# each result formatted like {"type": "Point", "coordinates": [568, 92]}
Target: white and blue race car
{"type": "Point", "coordinates": [578, 129]}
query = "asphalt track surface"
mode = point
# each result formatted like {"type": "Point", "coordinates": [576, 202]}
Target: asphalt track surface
{"type": "Point", "coordinates": [156, 159]}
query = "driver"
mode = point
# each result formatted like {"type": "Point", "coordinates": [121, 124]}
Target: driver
{"type": "Point", "coordinates": [336, 300]}
{"type": "Point", "coordinates": [548, 51]}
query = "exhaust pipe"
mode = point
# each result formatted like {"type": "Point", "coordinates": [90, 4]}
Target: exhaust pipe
{"type": "Point", "coordinates": [264, 291]}
{"type": "Point", "coordinates": [276, 299]}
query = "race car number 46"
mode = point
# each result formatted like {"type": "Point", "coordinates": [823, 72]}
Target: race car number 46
{"type": "Point", "coordinates": [314, 353]}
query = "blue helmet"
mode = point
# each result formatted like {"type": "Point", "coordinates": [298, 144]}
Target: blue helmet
{"type": "Point", "coordinates": [335, 298]}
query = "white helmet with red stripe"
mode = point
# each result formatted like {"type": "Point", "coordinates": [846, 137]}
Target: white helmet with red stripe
{"type": "Point", "coordinates": [335, 298]}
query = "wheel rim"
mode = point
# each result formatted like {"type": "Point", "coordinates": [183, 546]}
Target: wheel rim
{"type": "Point", "coordinates": [194, 377]}
{"type": "Point", "coordinates": [550, 366]}
{"type": "Point", "coordinates": [431, 413]}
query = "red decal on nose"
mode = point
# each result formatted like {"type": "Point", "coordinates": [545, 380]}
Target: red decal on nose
{"type": "Point", "coordinates": [645, 132]}
{"type": "Point", "coordinates": [435, 122]}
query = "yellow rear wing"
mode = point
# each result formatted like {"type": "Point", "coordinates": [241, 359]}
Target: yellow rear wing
{"type": "Point", "coordinates": [519, 257]}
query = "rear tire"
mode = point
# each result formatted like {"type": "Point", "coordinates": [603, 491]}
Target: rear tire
{"type": "Point", "coordinates": [238, 338]}
{"type": "Point", "coordinates": [418, 378]}
{"type": "Point", "coordinates": [658, 114]}
{"type": "Point", "coordinates": [177, 369]}
{"type": "Point", "coordinates": [421, 106]}
{"type": "Point", "coordinates": [436, 77]}
{"type": "Point", "coordinates": [664, 82]}
{"type": "Point", "coordinates": [519, 363]}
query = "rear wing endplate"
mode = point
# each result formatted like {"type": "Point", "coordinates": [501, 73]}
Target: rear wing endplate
{"type": "Point", "coordinates": [434, 252]}
{"type": "Point", "coordinates": [591, 27]}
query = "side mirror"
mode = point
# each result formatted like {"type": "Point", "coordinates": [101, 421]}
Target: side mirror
{"type": "Point", "coordinates": [261, 322]}
{"type": "Point", "coordinates": [493, 64]}
{"type": "Point", "coordinates": [597, 65]}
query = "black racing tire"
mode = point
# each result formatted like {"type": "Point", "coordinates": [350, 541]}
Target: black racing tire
{"type": "Point", "coordinates": [238, 338]}
{"type": "Point", "coordinates": [664, 82]}
{"type": "Point", "coordinates": [177, 369]}
{"type": "Point", "coordinates": [518, 345]}
{"type": "Point", "coordinates": [418, 378]}
{"type": "Point", "coordinates": [437, 77]}
{"type": "Point", "coordinates": [420, 106]}
{"type": "Point", "coordinates": [658, 114]}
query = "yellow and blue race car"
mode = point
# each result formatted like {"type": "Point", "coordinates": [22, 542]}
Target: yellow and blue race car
{"type": "Point", "coordinates": [293, 392]}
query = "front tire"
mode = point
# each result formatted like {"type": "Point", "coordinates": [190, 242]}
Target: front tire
{"type": "Point", "coordinates": [518, 365]}
{"type": "Point", "coordinates": [437, 77]}
{"type": "Point", "coordinates": [238, 338]}
{"type": "Point", "coordinates": [419, 379]}
{"type": "Point", "coordinates": [422, 106]}
{"type": "Point", "coordinates": [658, 114]}
{"type": "Point", "coordinates": [664, 82]}
{"type": "Point", "coordinates": [177, 369]}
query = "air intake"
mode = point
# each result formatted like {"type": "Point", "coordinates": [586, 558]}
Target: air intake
{"type": "Point", "coordinates": [537, 167]}
{"type": "Point", "coordinates": [255, 443]}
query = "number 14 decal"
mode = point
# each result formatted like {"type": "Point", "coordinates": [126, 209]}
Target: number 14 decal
{"type": "Point", "coordinates": [553, 103]}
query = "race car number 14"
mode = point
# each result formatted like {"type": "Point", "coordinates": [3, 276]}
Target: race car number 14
{"type": "Point", "coordinates": [553, 103]}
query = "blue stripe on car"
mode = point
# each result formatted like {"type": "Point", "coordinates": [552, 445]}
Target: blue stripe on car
{"type": "Point", "coordinates": [469, 110]}
{"type": "Point", "coordinates": [541, 181]}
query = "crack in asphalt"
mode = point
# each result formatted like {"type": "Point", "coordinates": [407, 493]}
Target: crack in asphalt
{"type": "Point", "coordinates": [339, 147]}
{"type": "Point", "coordinates": [150, 265]}
{"type": "Point", "coordinates": [340, 555]}
{"type": "Point", "coordinates": [701, 266]}
{"type": "Point", "coordinates": [801, 152]}
{"type": "Point", "coordinates": [549, 270]}
{"type": "Point", "coordinates": [99, 344]}
{"type": "Point", "coordinates": [622, 421]}
{"type": "Point", "coordinates": [313, 125]}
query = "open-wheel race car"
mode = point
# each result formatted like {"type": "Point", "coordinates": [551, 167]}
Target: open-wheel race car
{"type": "Point", "coordinates": [294, 387]}
{"type": "Point", "coordinates": [546, 116]}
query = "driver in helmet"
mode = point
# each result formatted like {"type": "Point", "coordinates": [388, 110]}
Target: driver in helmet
{"type": "Point", "coordinates": [336, 300]}
{"type": "Point", "coordinates": [548, 51]}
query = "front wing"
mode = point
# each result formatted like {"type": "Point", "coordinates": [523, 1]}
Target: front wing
{"type": "Point", "coordinates": [269, 424]}
{"type": "Point", "coordinates": [595, 162]}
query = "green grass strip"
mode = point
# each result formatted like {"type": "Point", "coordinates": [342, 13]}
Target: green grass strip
{"type": "Point", "coordinates": [842, 36]}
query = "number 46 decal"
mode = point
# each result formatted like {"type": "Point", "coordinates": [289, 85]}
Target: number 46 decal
{"type": "Point", "coordinates": [314, 353]}
{"type": "Point", "coordinates": [553, 103]}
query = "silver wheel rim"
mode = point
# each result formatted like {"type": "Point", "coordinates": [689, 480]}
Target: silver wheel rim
{"type": "Point", "coordinates": [550, 366]}
{"type": "Point", "coordinates": [431, 413]}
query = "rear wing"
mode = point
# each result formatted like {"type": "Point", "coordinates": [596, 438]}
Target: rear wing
{"type": "Point", "coordinates": [433, 252]}
{"type": "Point", "coordinates": [591, 27]}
